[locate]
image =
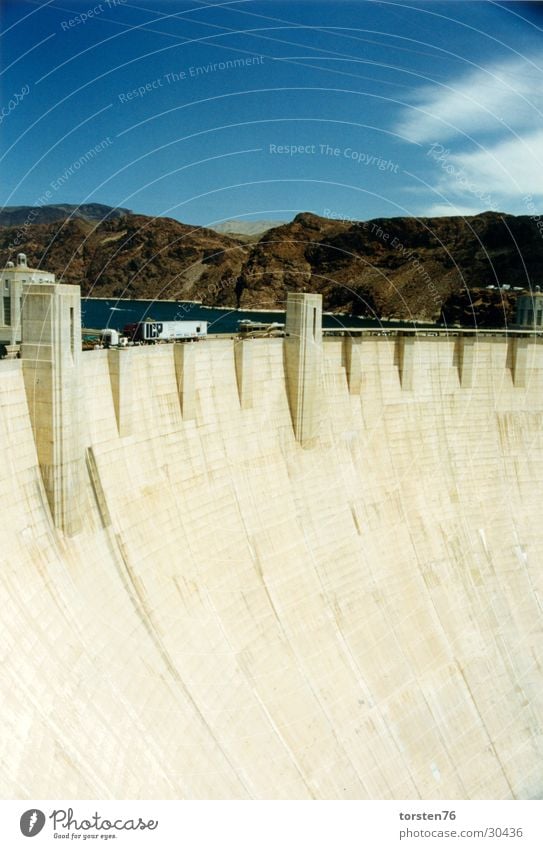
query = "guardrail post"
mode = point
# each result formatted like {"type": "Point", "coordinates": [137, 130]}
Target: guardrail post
{"type": "Point", "coordinates": [243, 359]}
{"type": "Point", "coordinates": [303, 364]}
{"type": "Point", "coordinates": [466, 361]}
{"type": "Point", "coordinates": [519, 361]}
{"type": "Point", "coordinates": [406, 360]}
{"type": "Point", "coordinates": [120, 376]}
{"type": "Point", "coordinates": [184, 360]}
{"type": "Point", "coordinates": [353, 366]}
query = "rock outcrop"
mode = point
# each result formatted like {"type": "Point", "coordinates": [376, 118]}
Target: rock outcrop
{"type": "Point", "coordinates": [408, 268]}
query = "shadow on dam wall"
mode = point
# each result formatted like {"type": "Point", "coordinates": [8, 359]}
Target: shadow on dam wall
{"type": "Point", "coordinates": [230, 614]}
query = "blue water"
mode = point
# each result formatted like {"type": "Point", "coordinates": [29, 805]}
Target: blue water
{"type": "Point", "coordinates": [99, 314]}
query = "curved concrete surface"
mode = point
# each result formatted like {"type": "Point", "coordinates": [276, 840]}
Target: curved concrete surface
{"type": "Point", "coordinates": [242, 617]}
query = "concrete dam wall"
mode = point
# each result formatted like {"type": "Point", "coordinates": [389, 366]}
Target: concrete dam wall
{"type": "Point", "coordinates": [234, 598]}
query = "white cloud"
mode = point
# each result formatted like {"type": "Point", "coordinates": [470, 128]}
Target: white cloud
{"type": "Point", "coordinates": [508, 168]}
{"type": "Point", "coordinates": [501, 110]}
{"type": "Point", "coordinates": [438, 209]}
{"type": "Point", "coordinates": [497, 177]}
{"type": "Point", "coordinates": [502, 98]}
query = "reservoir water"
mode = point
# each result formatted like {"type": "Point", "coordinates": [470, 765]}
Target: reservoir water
{"type": "Point", "coordinates": [99, 313]}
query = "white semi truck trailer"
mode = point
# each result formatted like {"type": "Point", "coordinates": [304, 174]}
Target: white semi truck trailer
{"type": "Point", "coordinates": [150, 331]}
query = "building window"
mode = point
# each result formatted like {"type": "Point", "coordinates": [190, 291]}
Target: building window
{"type": "Point", "coordinates": [72, 331]}
{"type": "Point", "coordinates": [7, 310]}
{"type": "Point", "coordinates": [530, 316]}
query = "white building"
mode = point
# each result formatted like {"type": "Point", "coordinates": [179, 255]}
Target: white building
{"type": "Point", "coordinates": [529, 312]}
{"type": "Point", "coordinates": [13, 278]}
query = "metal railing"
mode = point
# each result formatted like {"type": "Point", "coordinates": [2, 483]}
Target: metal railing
{"type": "Point", "coordinates": [505, 332]}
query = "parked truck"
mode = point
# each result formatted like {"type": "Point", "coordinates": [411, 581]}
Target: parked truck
{"type": "Point", "coordinates": [151, 331]}
{"type": "Point", "coordinates": [110, 338]}
{"type": "Point", "coordinates": [246, 327]}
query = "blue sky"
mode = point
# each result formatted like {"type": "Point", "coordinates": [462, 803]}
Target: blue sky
{"type": "Point", "coordinates": [211, 111]}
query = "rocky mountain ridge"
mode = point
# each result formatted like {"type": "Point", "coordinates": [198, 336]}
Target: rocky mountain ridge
{"type": "Point", "coordinates": [408, 268]}
{"type": "Point", "coordinates": [17, 216]}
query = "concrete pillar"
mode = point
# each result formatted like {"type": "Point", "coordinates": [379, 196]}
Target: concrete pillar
{"type": "Point", "coordinates": [184, 359]}
{"type": "Point", "coordinates": [15, 308]}
{"type": "Point", "coordinates": [243, 358]}
{"type": "Point", "coordinates": [519, 361]}
{"type": "Point", "coordinates": [406, 361]}
{"type": "Point", "coordinates": [120, 375]}
{"type": "Point", "coordinates": [353, 366]}
{"type": "Point", "coordinates": [466, 361]}
{"type": "Point", "coordinates": [303, 364]}
{"type": "Point", "coordinates": [51, 360]}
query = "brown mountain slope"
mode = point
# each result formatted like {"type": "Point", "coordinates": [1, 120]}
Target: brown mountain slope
{"type": "Point", "coordinates": [133, 256]}
{"type": "Point", "coordinates": [17, 216]}
{"type": "Point", "coordinates": [402, 267]}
